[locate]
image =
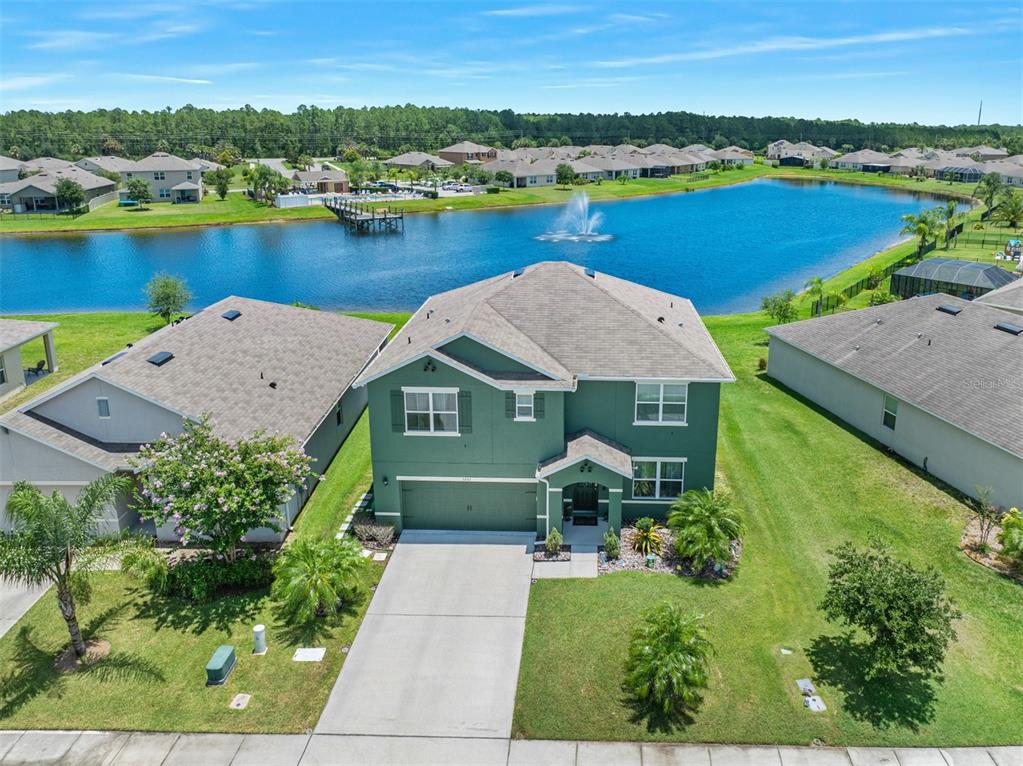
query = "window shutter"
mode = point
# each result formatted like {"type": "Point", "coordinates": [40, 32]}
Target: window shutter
{"type": "Point", "coordinates": [465, 412]}
{"type": "Point", "coordinates": [509, 404]}
{"type": "Point", "coordinates": [397, 411]}
{"type": "Point", "coordinates": [538, 405]}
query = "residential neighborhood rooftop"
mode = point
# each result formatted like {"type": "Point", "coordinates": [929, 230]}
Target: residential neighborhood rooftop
{"type": "Point", "coordinates": [16, 332]}
{"type": "Point", "coordinates": [958, 272]}
{"type": "Point", "coordinates": [1009, 296]}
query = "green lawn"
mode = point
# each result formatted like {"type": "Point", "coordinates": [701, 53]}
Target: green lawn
{"type": "Point", "coordinates": [806, 484]}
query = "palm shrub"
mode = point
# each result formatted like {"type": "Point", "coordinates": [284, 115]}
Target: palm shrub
{"type": "Point", "coordinates": [705, 523]}
{"type": "Point", "coordinates": [612, 544]}
{"type": "Point", "coordinates": [1011, 536]}
{"type": "Point", "coordinates": [667, 663]}
{"type": "Point", "coordinates": [314, 578]}
{"type": "Point", "coordinates": [553, 542]}
{"type": "Point", "coordinates": [647, 536]}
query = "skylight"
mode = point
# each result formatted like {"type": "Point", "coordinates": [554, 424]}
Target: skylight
{"type": "Point", "coordinates": [160, 358]}
{"type": "Point", "coordinates": [946, 309]}
{"type": "Point", "coordinates": [1009, 327]}
{"type": "Point", "coordinates": [231, 314]}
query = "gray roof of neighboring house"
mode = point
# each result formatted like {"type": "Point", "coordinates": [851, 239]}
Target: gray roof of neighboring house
{"type": "Point", "coordinates": [731, 154]}
{"type": "Point", "coordinates": [312, 176]}
{"type": "Point", "coordinates": [48, 163]}
{"type": "Point", "coordinates": [582, 166]}
{"type": "Point", "coordinates": [225, 368]}
{"type": "Point", "coordinates": [959, 368]}
{"type": "Point", "coordinates": [46, 181]}
{"type": "Point", "coordinates": [164, 161]}
{"type": "Point", "coordinates": [589, 445]}
{"type": "Point", "coordinates": [9, 163]}
{"type": "Point", "coordinates": [1008, 297]}
{"type": "Point", "coordinates": [418, 158]}
{"type": "Point", "coordinates": [466, 147]}
{"type": "Point", "coordinates": [865, 157]}
{"type": "Point", "coordinates": [958, 272]}
{"type": "Point", "coordinates": [109, 162]}
{"type": "Point", "coordinates": [186, 186]}
{"type": "Point", "coordinates": [207, 164]}
{"type": "Point", "coordinates": [524, 167]}
{"type": "Point", "coordinates": [16, 332]}
{"type": "Point", "coordinates": [565, 324]}
{"type": "Point", "coordinates": [613, 163]}
{"type": "Point", "coordinates": [1003, 168]}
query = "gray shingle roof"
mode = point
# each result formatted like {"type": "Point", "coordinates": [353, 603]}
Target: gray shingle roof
{"type": "Point", "coordinates": [1008, 296]}
{"type": "Point", "coordinates": [9, 163]}
{"type": "Point", "coordinates": [46, 181]}
{"type": "Point", "coordinates": [958, 272]}
{"type": "Point", "coordinates": [164, 161]}
{"type": "Point", "coordinates": [312, 176]}
{"type": "Point", "coordinates": [72, 443]}
{"type": "Point", "coordinates": [589, 445]}
{"type": "Point", "coordinates": [110, 162]}
{"type": "Point", "coordinates": [466, 147]}
{"type": "Point", "coordinates": [958, 368]}
{"type": "Point", "coordinates": [418, 158]}
{"type": "Point", "coordinates": [565, 324]}
{"type": "Point", "coordinates": [15, 332]}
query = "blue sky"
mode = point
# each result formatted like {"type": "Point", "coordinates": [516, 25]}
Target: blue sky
{"type": "Point", "coordinates": [927, 62]}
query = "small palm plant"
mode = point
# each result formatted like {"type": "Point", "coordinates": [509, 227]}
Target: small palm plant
{"type": "Point", "coordinates": [705, 524]}
{"type": "Point", "coordinates": [314, 578]}
{"type": "Point", "coordinates": [646, 537]}
{"type": "Point", "coordinates": [667, 663]}
{"type": "Point", "coordinates": [56, 541]}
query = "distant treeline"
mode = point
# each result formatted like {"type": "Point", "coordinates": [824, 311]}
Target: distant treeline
{"type": "Point", "coordinates": [389, 130]}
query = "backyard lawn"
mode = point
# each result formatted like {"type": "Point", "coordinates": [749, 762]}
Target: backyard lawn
{"type": "Point", "coordinates": [806, 484]}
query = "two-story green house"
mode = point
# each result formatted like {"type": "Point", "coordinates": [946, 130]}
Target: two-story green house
{"type": "Point", "coordinates": [543, 397]}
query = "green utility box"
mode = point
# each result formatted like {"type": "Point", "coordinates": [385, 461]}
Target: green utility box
{"type": "Point", "coordinates": [220, 665]}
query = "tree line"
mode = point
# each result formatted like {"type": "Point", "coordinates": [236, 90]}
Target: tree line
{"type": "Point", "coordinates": [388, 130]}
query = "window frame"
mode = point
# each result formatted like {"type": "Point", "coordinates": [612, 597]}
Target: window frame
{"type": "Point", "coordinates": [657, 479]}
{"type": "Point", "coordinates": [660, 403]}
{"type": "Point", "coordinates": [159, 175]}
{"type": "Point", "coordinates": [531, 417]}
{"type": "Point", "coordinates": [885, 412]}
{"type": "Point", "coordinates": [161, 194]}
{"type": "Point", "coordinates": [431, 411]}
{"type": "Point", "coordinates": [100, 401]}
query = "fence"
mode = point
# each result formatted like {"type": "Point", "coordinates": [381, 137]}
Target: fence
{"type": "Point", "coordinates": [987, 239]}
{"type": "Point", "coordinates": [832, 301]}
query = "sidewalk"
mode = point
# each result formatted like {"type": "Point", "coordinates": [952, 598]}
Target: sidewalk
{"type": "Point", "coordinates": [75, 748]}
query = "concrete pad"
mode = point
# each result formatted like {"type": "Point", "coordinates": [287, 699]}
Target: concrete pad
{"type": "Point", "coordinates": [731, 755]}
{"type": "Point", "coordinates": [813, 756]}
{"type": "Point", "coordinates": [609, 754]}
{"type": "Point", "coordinates": [95, 748]}
{"type": "Point", "coordinates": [920, 756]}
{"type": "Point", "coordinates": [408, 751]}
{"type": "Point", "coordinates": [207, 749]}
{"type": "Point", "coordinates": [428, 676]}
{"type": "Point", "coordinates": [676, 755]}
{"type": "Point", "coordinates": [15, 600]}
{"type": "Point", "coordinates": [873, 756]}
{"type": "Point", "coordinates": [39, 747]}
{"type": "Point", "coordinates": [7, 740]}
{"type": "Point", "coordinates": [271, 750]}
{"type": "Point", "coordinates": [541, 752]}
{"type": "Point", "coordinates": [457, 573]}
{"type": "Point", "coordinates": [1006, 756]}
{"type": "Point", "coordinates": [583, 564]}
{"type": "Point", "coordinates": [967, 756]}
{"type": "Point", "coordinates": [551, 570]}
{"type": "Point", "coordinates": [144, 749]}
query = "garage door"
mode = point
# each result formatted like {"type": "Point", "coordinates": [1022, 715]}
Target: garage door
{"type": "Point", "coordinates": [468, 505]}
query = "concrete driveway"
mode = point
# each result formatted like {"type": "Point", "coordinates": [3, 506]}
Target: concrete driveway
{"type": "Point", "coordinates": [15, 600]}
{"type": "Point", "coordinates": [438, 652]}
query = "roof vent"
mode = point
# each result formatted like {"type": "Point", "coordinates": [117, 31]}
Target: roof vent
{"type": "Point", "coordinates": [160, 358]}
{"type": "Point", "coordinates": [110, 359]}
{"type": "Point", "coordinates": [518, 273]}
{"type": "Point", "coordinates": [273, 384]}
{"type": "Point", "coordinates": [660, 319]}
{"type": "Point", "coordinates": [946, 309]}
{"type": "Point", "coordinates": [231, 314]}
{"type": "Point", "coordinates": [591, 273]}
{"type": "Point", "coordinates": [1009, 327]}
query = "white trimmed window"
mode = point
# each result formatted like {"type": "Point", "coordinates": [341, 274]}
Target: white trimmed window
{"type": "Point", "coordinates": [159, 175]}
{"type": "Point", "coordinates": [524, 406]}
{"type": "Point", "coordinates": [890, 413]}
{"type": "Point", "coordinates": [661, 403]}
{"type": "Point", "coordinates": [657, 478]}
{"type": "Point", "coordinates": [165, 194]}
{"type": "Point", "coordinates": [103, 407]}
{"type": "Point", "coordinates": [431, 410]}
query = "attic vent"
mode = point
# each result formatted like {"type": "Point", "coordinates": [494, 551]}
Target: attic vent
{"type": "Point", "coordinates": [110, 359]}
{"type": "Point", "coordinates": [1009, 327]}
{"type": "Point", "coordinates": [660, 319]}
{"type": "Point", "coordinates": [591, 273]}
{"type": "Point", "coordinates": [946, 309]}
{"type": "Point", "coordinates": [231, 315]}
{"type": "Point", "coordinates": [273, 384]}
{"type": "Point", "coordinates": [518, 273]}
{"type": "Point", "coordinates": [160, 358]}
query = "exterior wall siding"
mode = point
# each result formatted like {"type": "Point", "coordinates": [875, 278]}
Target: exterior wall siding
{"type": "Point", "coordinates": [171, 179]}
{"type": "Point", "coordinates": [13, 371]}
{"type": "Point", "coordinates": [951, 454]}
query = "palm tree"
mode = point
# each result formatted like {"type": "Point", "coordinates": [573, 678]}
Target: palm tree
{"type": "Point", "coordinates": [989, 187]}
{"type": "Point", "coordinates": [1010, 209]}
{"type": "Point", "coordinates": [705, 524]}
{"type": "Point", "coordinates": [947, 215]}
{"type": "Point", "coordinates": [313, 578]}
{"type": "Point", "coordinates": [55, 541]}
{"type": "Point", "coordinates": [921, 225]}
{"type": "Point", "coordinates": [815, 286]}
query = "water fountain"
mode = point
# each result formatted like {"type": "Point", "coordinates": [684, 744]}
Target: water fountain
{"type": "Point", "coordinates": [575, 224]}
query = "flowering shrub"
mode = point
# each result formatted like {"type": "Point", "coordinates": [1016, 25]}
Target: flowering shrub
{"type": "Point", "coordinates": [214, 490]}
{"type": "Point", "coordinates": [1011, 536]}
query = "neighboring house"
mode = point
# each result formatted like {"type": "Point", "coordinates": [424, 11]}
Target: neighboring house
{"type": "Point", "coordinates": [1010, 172]}
{"type": "Point", "coordinates": [1007, 297]}
{"type": "Point", "coordinates": [14, 334]}
{"type": "Point", "coordinates": [38, 192]}
{"type": "Point", "coordinates": [207, 165]}
{"type": "Point", "coordinates": [982, 153]}
{"type": "Point", "coordinates": [170, 178]}
{"type": "Point", "coordinates": [959, 172]}
{"type": "Point", "coordinates": [936, 379]}
{"type": "Point", "coordinates": [108, 163]}
{"type": "Point", "coordinates": [966, 279]}
{"type": "Point", "coordinates": [322, 181]}
{"type": "Point", "coordinates": [250, 364]}
{"type": "Point", "coordinates": [584, 169]}
{"type": "Point", "coordinates": [731, 157]}
{"type": "Point", "coordinates": [531, 172]}
{"type": "Point", "coordinates": [10, 169]}
{"type": "Point", "coordinates": [866, 160]}
{"type": "Point", "coordinates": [40, 164]}
{"type": "Point", "coordinates": [417, 161]}
{"type": "Point", "coordinates": [616, 165]}
{"type": "Point", "coordinates": [467, 151]}
{"type": "Point", "coordinates": [549, 393]}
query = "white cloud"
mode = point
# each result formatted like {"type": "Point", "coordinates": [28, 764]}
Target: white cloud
{"type": "Point", "coordinates": [636, 18]}
{"type": "Point", "coordinates": [162, 78]}
{"type": "Point", "coordinates": [590, 82]}
{"type": "Point", "coordinates": [532, 11]}
{"type": "Point", "coordinates": [224, 68]}
{"type": "Point", "coordinates": [785, 44]}
{"type": "Point", "coordinates": [27, 82]}
{"type": "Point", "coordinates": [70, 40]}
{"type": "Point", "coordinates": [164, 32]}
{"type": "Point", "coordinates": [129, 12]}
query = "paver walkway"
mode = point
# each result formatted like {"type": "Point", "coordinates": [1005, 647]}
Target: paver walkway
{"type": "Point", "coordinates": [92, 748]}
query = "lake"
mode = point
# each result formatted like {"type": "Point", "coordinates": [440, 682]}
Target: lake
{"type": "Point", "coordinates": [723, 248]}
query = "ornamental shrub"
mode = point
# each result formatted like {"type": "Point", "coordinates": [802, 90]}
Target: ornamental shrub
{"type": "Point", "coordinates": [647, 536]}
{"type": "Point", "coordinates": [366, 529]}
{"type": "Point", "coordinates": [554, 541]}
{"type": "Point", "coordinates": [1011, 536]}
{"type": "Point", "coordinates": [612, 544]}
{"type": "Point", "coordinates": [705, 524]}
{"type": "Point", "coordinates": [314, 578]}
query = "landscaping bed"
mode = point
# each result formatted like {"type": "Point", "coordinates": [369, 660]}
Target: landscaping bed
{"type": "Point", "coordinates": [668, 561]}
{"type": "Point", "coordinates": [540, 553]}
{"type": "Point", "coordinates": [991, 558]}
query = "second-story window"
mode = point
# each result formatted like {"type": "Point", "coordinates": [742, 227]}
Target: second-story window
{"type": "Point", "coordinates": [431, 410]}
{"type": "Point", "coordinates": [159, 175]}
{"type": "Point", "coordinates": [524, 406]}
{"type": "Point", "coordinates": [103, 407]}
{"type": "Point", "coordinates": [661, 403]}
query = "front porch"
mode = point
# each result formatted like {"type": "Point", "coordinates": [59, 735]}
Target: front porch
{"type": "Point", "coordinates": [20, 342]}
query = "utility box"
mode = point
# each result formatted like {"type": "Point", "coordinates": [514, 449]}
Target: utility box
{"type": "Point", "coordinates": [220, 665]}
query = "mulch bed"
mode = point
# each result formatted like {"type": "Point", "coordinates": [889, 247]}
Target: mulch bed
{"type": "Point", "coordinates": [992, 558]}
{"type": "Point", "coordinates": [68, 662]}
{"type": "Point", "coordinates": [668, 562]}
{"type": "Point", "coordinates": [540, 553]}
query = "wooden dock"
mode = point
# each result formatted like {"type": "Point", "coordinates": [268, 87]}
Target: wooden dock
{"type": "Point", "coordinates": [366, 217]}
